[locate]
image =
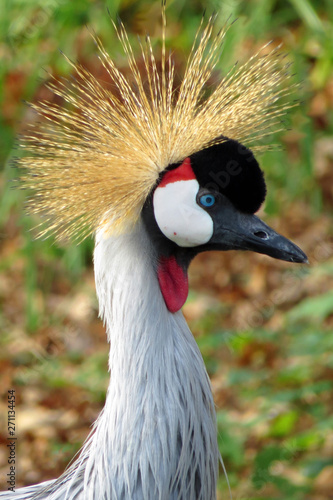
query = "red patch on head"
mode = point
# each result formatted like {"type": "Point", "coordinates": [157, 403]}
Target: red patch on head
{"type": "Point", "coordinates": [173, 283]}
{"type": "Point", "coordinates": [182, 173]}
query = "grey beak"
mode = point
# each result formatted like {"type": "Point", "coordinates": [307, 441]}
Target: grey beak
{"type": "Point", "coordinates": [234, 230]}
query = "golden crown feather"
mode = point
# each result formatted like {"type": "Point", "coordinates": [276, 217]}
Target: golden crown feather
{"type": "Point", "coordinates": [99, 159]}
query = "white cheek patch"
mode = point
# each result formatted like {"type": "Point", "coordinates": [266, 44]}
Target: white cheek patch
{"type": "Point", "coordinates": [178, 215]}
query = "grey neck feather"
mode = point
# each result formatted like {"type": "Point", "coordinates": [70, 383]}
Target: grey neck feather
{"type": "Point", "coordinates": [156, 436]}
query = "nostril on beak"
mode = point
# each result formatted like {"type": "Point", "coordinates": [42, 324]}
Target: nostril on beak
{"type": "Point", "coordinates": [261, 234]}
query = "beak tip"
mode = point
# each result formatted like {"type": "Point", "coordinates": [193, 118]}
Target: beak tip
{"type": "Point", "coordinates": [299, 257]}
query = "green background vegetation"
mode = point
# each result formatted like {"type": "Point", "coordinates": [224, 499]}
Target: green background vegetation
{"type": "Point", "coordinates": [264, 327]}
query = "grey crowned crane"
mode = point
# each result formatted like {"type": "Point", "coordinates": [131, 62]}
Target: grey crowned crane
{"type": "Point", "coordinates": [158, 175]}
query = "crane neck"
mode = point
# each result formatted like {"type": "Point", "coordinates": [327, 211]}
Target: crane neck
{"type": "Point", "coordinates": [156, 437]}
{"type": "Point", "coordinates": [130, 300]}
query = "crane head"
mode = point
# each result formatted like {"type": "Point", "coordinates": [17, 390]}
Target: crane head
{"type": "Point", "coordinates": [208, 202]}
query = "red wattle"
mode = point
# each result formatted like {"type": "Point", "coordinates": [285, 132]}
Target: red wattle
{"type": "Point", "coordinates": [173, 282]}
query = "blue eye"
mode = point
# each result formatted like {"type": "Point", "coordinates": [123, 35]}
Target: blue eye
{"type": "Point", "coordinates": [207, 200]}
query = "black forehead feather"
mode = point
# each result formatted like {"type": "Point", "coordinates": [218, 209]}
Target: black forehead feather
{"type": "Point", "coordinates": [231, 169]}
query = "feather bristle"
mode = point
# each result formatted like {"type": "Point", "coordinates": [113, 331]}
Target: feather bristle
{"type": "Point", "coordinates": [99, 159]}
